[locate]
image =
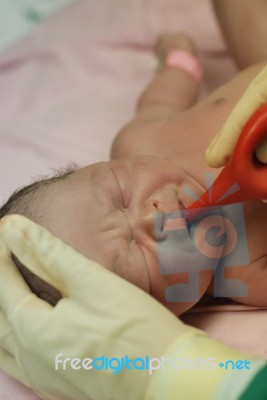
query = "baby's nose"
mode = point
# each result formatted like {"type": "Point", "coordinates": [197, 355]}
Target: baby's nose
{"type": "Point", "coordinates": [155, 211]}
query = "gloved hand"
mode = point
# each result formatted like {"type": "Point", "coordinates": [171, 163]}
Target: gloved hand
{"type": "Point", "coordinates": [100, 314]}
{"type": "Point", "coordinates": [221, 148]}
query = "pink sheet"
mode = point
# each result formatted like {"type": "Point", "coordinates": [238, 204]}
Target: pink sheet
{"type": "Point", "coordinates": [67, 89]}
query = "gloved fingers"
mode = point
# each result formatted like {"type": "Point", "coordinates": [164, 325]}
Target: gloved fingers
{"type": "Point", "coordinates": [222, 146]}
{"type": "Point", "coordinates": [59, 264]}
{"type": "Point", "coordinates": [10, 367]}
{"type": "Point", "coordinates": [45, 255]}
{"type": "Point", "coordinates": [4, 251]}
{"type": "Point", "coordinates": [18, 305]}
{"type": "Point", "coordinates": [7, 339]}
{"type": "Point", "coordinates": [13, 289]}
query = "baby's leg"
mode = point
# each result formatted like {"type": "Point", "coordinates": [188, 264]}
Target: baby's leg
{"type": "Point", "coordinates": [173, 88]}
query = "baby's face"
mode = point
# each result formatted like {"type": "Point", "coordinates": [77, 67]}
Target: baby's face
{"type": "Point", "coordinates": [106, 211]}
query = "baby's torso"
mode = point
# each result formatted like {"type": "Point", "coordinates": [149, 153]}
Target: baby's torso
{"type": "Point", "coordinates": [185, 136]}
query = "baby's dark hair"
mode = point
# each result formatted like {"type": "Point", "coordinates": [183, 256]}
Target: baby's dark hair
{"type": "Point", "coordinates": [20, 202]}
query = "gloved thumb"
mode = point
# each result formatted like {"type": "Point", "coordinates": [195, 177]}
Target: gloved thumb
{"type": "Point", "coordinates": [44, 255]}
{"type": "Point", "coordinates": [221, 148]}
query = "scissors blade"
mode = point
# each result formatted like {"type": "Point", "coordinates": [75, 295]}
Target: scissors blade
{"type": "Point", "coordinates": [224, 190]}
{"type": "Point", "coordinates": [244, 177]}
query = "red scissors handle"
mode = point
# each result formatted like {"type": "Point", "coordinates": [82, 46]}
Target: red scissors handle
{"type": "Point", "coordinates": [243, 177]}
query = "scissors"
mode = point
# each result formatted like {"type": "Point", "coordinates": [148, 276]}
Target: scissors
{"type": "Point", "coordinates": [243, 177]}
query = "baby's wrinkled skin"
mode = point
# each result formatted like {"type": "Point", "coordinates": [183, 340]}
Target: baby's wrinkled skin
{"type": "Point", "coordinates": [106, 211]}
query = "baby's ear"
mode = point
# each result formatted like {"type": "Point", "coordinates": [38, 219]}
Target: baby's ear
{"type": "Point", "coordinates": [41, 288]}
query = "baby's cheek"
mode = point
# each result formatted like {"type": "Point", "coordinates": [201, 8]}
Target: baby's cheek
{"type": "Point", "coordinates": [185, 294]}
{"type": "Point", "coordinates": [181, 273]}
{"type": "Point", "coordinates": [132, 267]}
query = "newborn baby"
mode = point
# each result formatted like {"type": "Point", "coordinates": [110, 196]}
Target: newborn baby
{"type": "Point", "coordinates": [107, 211]}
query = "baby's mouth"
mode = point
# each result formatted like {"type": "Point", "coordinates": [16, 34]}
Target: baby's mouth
{"type": "Point", "coordinates": [165, 222]}
{"type": "Point", "coordinates": [158, 220]}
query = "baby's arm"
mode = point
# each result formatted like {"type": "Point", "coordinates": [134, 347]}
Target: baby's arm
{"type": "Point", "coordinates": [244, 26]}
{"type": "Point", "coordinates": [172, 90]}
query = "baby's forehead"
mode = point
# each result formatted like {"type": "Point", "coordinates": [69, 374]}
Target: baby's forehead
{"type": "Point", "coordinates": [82, 195]}
{"type": "Point", "coordinates": [105, 178]}
{"type": "Point", "coordinates": [92, 171]}
{"type": "Point", "coordinates": [94, 184]}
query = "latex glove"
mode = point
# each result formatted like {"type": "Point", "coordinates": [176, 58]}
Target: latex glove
{"type": "Point", "coordinates": [100, 314]}
{"type": "Point", "coordinates": [221, 148]}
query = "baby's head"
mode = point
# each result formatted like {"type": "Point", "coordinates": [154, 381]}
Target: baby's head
{"type": "Point", "coordinates": [109, 212]}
